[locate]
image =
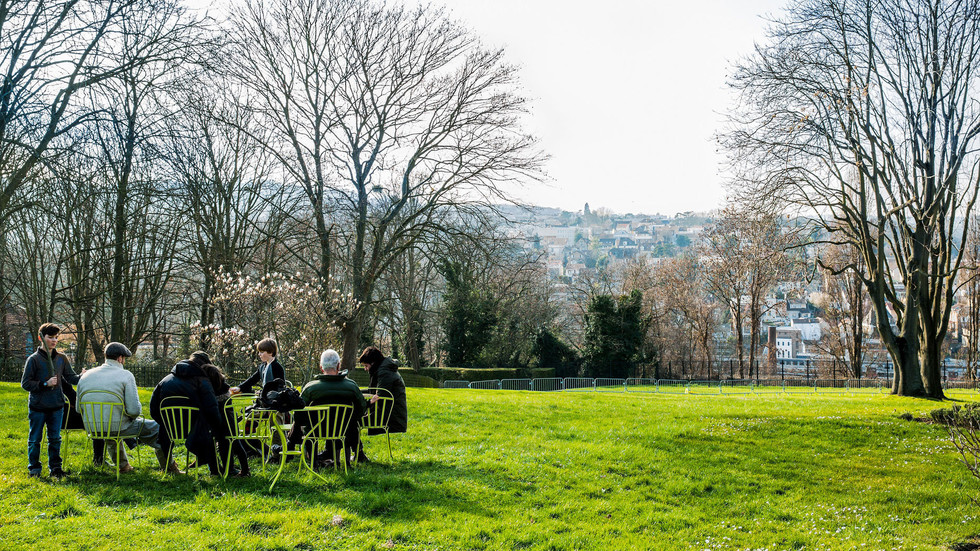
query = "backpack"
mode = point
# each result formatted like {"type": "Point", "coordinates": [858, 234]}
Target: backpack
{"type": "Point", "coordinates": [280, 397]}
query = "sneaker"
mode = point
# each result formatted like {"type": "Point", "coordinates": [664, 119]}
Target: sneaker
{"type": "Point", "coordinates": [33, 474]}
{"type": "Point", "coordinates": [59, 473]}
{"type": "Point", "coordinates": [126, 469]}
{"type": "Point", "coordinates": [241, 474]}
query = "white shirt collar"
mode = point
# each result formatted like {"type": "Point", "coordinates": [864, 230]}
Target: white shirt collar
{"type": "Point", "coordinates": [113, 363]}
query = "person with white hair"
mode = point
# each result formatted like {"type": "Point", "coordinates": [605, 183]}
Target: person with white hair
{"type": "Point", "coordinates": [331, 387]}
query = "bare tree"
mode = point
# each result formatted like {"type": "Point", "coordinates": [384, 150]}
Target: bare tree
{"type": "Point", "coordinates": [726, 274]}
{"type": "Point", "coordinates": [863, 114]}
{"type": "Point", "coordinates": [969, 313]}
{"type": "Point", "coordinates": [222, 173]}
{"type": "Point", "coordinates": [391, 121]}
{"type": "Point", "coordinates": [844, 303]}
{"type": "Point", "coordinates": [692, 310]}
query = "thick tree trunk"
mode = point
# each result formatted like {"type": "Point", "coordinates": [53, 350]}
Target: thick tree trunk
{"type": "Point", "coordinates": [351, 336]}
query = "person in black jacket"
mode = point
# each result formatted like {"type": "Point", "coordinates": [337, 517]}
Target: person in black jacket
{"type": "Point", "coordinates": [44, 372]}
{"type": "Point", "coordinates": [269, 370]}
{"type": "Point", "coordinates": [384, 374]}
{"type": "Point", "coordinates": [187, 380]}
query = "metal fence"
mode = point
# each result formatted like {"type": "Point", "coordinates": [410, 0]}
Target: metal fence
{"type": "Point", "coordinates": [702, 387]}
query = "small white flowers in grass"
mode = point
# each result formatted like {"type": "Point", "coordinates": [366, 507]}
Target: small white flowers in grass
{"type": "Point", "coordinates": [337, 520]}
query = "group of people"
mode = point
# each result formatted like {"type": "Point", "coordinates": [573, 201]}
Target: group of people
{"type": "Point", "coordinates": [195, 382]}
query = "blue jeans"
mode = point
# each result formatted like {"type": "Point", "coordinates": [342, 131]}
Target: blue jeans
{"type": "Point", "coordinates": [37, 421]}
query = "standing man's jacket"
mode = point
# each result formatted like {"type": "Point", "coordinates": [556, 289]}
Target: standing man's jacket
{"type": "Point", "coordinates": [37, 370]}
{"type": "Point", "coordinates": [111, 377]}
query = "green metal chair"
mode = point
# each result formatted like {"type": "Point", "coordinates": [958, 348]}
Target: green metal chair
{"type": "Point", "coordinates": [178, 420]}
{"type": "Point", "coordinates": [97, 415]}
{"type": "Point", "coordinates": [238, 426]}
{"type": "Point", "coordinates": [327, 426]}
{"type": "Point", "coordinates": [261, 426]}
{"type": "Point", "coordinates": [378, 415]}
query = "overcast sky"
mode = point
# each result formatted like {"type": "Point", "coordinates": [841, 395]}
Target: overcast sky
{"type": "Point", "coordinates": [626, 94]}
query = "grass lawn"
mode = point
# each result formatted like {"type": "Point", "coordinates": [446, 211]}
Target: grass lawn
{"type": "Point", "coordinates": [516, 470]}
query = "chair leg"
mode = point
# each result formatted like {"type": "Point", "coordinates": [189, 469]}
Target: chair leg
{"type": "Point", "coordinates": [118, 457]}
{"type": "Point", "coordinates": [388, 436]}
{"type": "Point", "coordinates": [282, 465]}
{"type": "Point", "coordinates": [231, 444]}
{"type": "Point", "coordinates": [343, 451]}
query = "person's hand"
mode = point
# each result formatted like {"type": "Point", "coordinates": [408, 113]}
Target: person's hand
{"type": "Point", "coordinates": [84, 369]}
{"type": "Point", "coordinates": [374, 398]}
{"type": "Point", "coordinates": [51, 382]}
{"type": "Point", "coordinates": [235, 390]}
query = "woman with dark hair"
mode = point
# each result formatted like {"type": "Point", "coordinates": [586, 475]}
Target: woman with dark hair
{"type": "Point", "coordinates": [222, 393]}
{"type": "Point", "coordinates": [384, 374]}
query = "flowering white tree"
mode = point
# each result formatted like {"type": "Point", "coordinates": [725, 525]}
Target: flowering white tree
{"type": "Point", "coordinates": [300, 315]}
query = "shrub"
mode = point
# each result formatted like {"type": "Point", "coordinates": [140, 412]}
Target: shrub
{"type": "Point", "coordinates": [963, 426]}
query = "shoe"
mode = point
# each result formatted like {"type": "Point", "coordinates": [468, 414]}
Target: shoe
{"type": "Point", "coordinates": [34, 474]}
{"type": "Point", "coordinates": [126, 469]}
{"type": "Point", "coordinates": [323, 464]}
{"type": "Point", "coordinates": [363, 459]}
{"type": "Point", "coordinates": [241, 474]}
{"type": "Point", "coordinates": [59, 473]}
{"type": "Point", "coordinates": [174, 469]}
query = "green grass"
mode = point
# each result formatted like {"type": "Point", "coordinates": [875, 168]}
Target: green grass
{"type": "Point", "coordinates": [516, 470]}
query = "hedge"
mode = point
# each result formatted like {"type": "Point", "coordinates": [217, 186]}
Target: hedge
{"type": "Point", "coordinates": [411, 378]}
{"type": "Point", "coordinates": [466, 374]}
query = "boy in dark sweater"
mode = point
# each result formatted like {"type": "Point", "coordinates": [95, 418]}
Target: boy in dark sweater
{"type": "Point", "coordinates": [44, 371]}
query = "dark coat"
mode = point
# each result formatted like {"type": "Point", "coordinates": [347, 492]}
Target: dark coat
{"type": "Point", "coordinates": [37, 370]}
{"type": "Point", "coordinates": [277, 373]}
{"type": "Point", "coordinates": [385, 375]}
{"type": "Point", "coordinates": [188, 381]}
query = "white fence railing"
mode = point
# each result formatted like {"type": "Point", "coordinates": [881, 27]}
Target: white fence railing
{"type": "Point", "coordinates": [684, 386]}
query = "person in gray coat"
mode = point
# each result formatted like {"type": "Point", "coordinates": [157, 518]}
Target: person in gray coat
{"type": "Point", "coordinates": [100, 385]}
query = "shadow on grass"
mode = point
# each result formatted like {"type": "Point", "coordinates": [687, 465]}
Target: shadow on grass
{"type": "Point", "coordinates": [403, 490]}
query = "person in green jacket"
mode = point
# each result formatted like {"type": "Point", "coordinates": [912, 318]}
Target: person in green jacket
{"type": "Point", "coordinates": [331, 387]}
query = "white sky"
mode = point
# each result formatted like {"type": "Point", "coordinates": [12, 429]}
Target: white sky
{"type": "Point", "coordinates": [626, 94]}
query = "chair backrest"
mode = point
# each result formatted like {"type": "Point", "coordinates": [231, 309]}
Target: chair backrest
{"type": "Point", "coordinates": [102, 417]}
{"type": "Point", "coordinates": [234, 411]}
{"type": "Point", "coordinates": [177, 419]}
{"type": "Point", "coordinates": [327, 422]}
{"type": "Point", "coordinates": [377, 416]}
{"type": "Point", "coordinates": [381, 392]}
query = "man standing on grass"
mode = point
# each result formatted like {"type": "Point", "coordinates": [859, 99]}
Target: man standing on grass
{"type": "Point", "coordinates": [103, 384]}
{"type": "Point", "coordinates": [43, 373]}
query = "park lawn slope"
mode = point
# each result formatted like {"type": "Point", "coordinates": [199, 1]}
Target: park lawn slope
{"type": "Point", "coordinates": [519, 470]}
